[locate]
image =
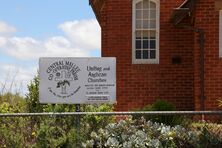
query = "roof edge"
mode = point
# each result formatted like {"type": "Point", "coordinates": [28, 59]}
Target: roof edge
{"type": "Point", "coordinates": [97, 6]}
{"type": "Point", "coordinates": [181, 12]}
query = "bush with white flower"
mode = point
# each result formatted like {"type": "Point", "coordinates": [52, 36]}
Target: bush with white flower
{"type": "Point", "coordinates": [133, 133]}
{"type": "Point", "coordinates": [140, 133]}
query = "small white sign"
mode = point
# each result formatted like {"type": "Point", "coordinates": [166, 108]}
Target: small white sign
{"type": "Point", "coordinates": [77, 80]}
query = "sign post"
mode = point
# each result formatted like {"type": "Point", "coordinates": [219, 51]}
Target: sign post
{"type": "Point", "coordinates": [78, 125]}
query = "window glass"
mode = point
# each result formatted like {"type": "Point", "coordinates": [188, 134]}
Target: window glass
{"type": "Point", "coordinates": [152, 54]}
{"type": "Point", "coordinates": [138, 54]}
{"type": "Point", "coordinates": [145, 4]}
{"type": "Point", "coordinates": [138, 34]}
{"type": "Point", "coordinates": [138, 24]}
{"type": "Point", "coordinates": [138, 44]}
{"type": "Point", "coordinates": [153, 14]}
{"type": "Point", "coordinates": [145, 34]}
{"type": "Point", "coordinates": [145, 24]}
{"type": "Point", "coordinates": [139, 5]}
{"type": "Point", "coordinates": [152, 34]}
{"type": "Point", "coordinates": [152, 44]}
{"type": "Point", "coordinates": [145, 14]}
{"type": "Point", "coordinates": [152, 24]}
{"type": "Point", "coordinates": [145, 54]}
{"type": "Point", "coordinates": [145, 44]}
{"type": "Point", "coordinates": [138, 14]}
{"type": "Point", "coordinates": [152, 5]}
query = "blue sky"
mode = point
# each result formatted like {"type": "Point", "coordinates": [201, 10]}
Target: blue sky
{"type": "Point", "coordinates": [30, 29]}
{"type": "Point", "coordinates": [39, 18]}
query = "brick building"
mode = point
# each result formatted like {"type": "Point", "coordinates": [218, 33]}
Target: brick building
{"type": "Point", "coordinates": [165, 49]}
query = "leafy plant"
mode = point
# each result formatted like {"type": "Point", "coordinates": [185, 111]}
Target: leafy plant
{"type": "Point", "coordinates": [141, 134]}
{"type": "Point", "coordinates": [210, 135]}
{"type": "Point", "coordinates": [12, 133]}
{"type": "Point", "coordinates": [94, 122]}
{"type": "Point", "coordinates": [219, 102]}
{"type": "Point", "coordinates": [161, 105]}
{"type": "Point", "coordinates": [32, 97]}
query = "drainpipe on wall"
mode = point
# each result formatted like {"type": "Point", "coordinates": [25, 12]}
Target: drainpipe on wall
{"type": "Point", "coordinates": [202, 64]}
{"type": "Point", "coordinates": [202, 68]}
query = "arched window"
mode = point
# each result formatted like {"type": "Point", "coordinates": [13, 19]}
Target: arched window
{"type": "Point", "coordinates": [145, 36]}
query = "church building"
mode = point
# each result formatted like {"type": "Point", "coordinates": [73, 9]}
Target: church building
{"type": "Point", "coordinates": [165, 49]}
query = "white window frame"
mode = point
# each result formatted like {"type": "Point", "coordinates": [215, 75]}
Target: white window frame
{"type": "Point", "coordinates": [220, 34]}
{"type": "Point", "coordinates": [145, 61]}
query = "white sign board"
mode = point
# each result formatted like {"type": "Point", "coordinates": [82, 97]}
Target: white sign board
{"type": "Point", "coordinates": [77, 80]}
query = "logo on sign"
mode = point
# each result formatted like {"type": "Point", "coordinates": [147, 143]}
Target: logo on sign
{"type": "Point", "coordinates": [63, 74]}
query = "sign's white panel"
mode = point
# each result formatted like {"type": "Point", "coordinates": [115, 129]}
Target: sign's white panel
{"type": "Point", "coordinates": [77, 80]}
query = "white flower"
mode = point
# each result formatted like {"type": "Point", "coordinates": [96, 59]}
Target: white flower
{"type": "Point", "coordinates": [112, 142]}
{"type": "Point", "coordinates": [93, 135]}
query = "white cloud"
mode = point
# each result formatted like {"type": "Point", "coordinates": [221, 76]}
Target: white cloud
{"type": "Point", "coordinates": [83, 34]}
{"type": "Point", "coordinates": [3, 41]}
{"type": "Point", "coordinates": [60, 46]}
{"type": "Point", "coordinates": [81, 37]}
{"type": "Point", "coordinates": [30, 49]}
{"type": "Point", "coordinates": [6, 29]}
{"type": "Point", "coordinates": [23, 48]}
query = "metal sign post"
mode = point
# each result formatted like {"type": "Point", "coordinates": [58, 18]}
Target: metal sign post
{"type": "Point", "coordinates": [78, 126]}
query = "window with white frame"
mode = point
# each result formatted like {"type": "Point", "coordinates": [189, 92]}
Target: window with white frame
{"type": "Point", "coordinates": [145, 36]}
{"type": "Point", "coordinates": [220, 34]}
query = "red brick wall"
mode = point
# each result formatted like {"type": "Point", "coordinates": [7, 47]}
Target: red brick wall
{"type": "Point", "coordinates": [138, 85]}
{"type": "Point", "coordinates": [207, 18]}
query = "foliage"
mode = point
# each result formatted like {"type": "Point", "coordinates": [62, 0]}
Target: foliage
{"type": "Point", "coordinates": [210, 135]}
{"type": "Point", "coordinates": [219, 102]}
{"type": "Point", "coordinates": [61, 131]}
{"type": "Point", "coordinates": [10, 138]}
{"type": "Point", "coordinates": [161, 105]}
{"type": "Point", "coordinates": [50, 135]}
{"type": "Point", "coordinates": [141, 133]}
{"type": "Point", "coordinates": [32, 98]}
{"type": "Point", "coordinates": [130, 133]}
{"type": "Point", "coordinates": [96, 122]}
{"type": "Point", "coordinates": [100, 130]}
{"type": "Point", "coordinates": [45, 131]}
{"type": "Point", "coordinates": [12, 133]}
{"type": "Point", "coordinates": [10, 103]}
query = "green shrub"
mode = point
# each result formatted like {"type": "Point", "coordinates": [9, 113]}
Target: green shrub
{"type": "Point", "coordinates": [50, 136]}
{"type": "Point", "coordinates": [161, 105]}
{"type": "Point", "coordinates": [10, 138]}
{"type": "Point", "coordinates": [12, 130]}
{"type": "Point", "coordinates": [44, 127]}
{"type": "Point", "coordinates": [93, 122]}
